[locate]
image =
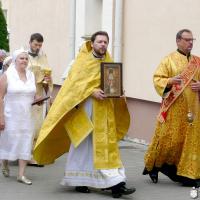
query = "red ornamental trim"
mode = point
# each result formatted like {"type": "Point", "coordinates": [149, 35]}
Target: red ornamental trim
{"type": "Point", "coordinates": [176, 90]}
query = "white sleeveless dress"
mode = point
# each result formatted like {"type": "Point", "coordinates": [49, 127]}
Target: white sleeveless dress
{"type": "Point", "coordinates": [17, 137]}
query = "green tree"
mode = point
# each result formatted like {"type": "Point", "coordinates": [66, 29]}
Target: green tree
{"type": "Point", "coordinates": [4, 42]}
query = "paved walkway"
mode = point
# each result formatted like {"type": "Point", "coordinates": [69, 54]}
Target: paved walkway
{"type": "Point", "coordinates": [46, 182]}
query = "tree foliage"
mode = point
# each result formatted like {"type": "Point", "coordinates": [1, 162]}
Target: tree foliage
{"type": "Point", "coordinates": [4, 42]}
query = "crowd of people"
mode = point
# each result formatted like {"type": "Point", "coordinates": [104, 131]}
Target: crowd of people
{"type": "Point", "coordinates": [85, 123]}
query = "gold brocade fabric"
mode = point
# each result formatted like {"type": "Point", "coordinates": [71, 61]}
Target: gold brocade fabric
{"type": "Point", "coordinates": [67, 121]}
{"type": "Point", "coordinates": [107, 131]}
{"type": "Point", "coordinates": [176, 142]}
{"type": "Point", "coordinates": [36, 64]}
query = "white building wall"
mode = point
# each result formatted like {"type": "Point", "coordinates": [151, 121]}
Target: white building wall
{"type": "Point", "coordinates": [149, 30]}
{"type": "Point", "coordinates": [80, 22]}
{"type": "Point", "coordinates": [51, 20]}
{"type": "Point", "coordinates": [88, 19]}
{"type": "Point", "coordinates": [149, 33]}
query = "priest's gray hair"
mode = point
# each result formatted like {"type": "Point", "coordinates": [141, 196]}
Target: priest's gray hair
{"type": "Point", "coordinates": [179, 34]}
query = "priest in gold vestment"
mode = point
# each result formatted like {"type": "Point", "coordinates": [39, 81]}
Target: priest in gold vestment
{"type": "Point", "coordinates": [37, 63]}
{"type": "Point", "coordinates": [89, 125]}
{"type": "Point", "coordinates": [174, 150]}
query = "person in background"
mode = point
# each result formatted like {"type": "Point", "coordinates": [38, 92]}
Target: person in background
{"type": "Point", "coordinates": [3, 55]}
{"type": "Point", "coordinates": [44, 86]}
{"type": "Point", "coordinates": [6, 63]}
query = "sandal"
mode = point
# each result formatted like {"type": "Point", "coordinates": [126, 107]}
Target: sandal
{"type": "Point", "coordinates": [5, 170]}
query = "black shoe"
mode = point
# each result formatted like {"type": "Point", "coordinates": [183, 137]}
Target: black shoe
{"type": "Point", "coordinates": [154, 176]}
{"type": "Point", "coordinates": [120, 189]}
{"type": "Point", "coordinates": [187, 182]}
{"type": "Point", "coordinates": [116, 195]}
{"type": "Point", "coordinates": [145, 171]}
{"type": "Point", "coordinates": [35, 165]}
{"type": "Point", "coordinates": [126, 191]}
{"type": "Point", "coordinates": [82, 189]}
{"type": "Point", "coordinates": [171, 172]}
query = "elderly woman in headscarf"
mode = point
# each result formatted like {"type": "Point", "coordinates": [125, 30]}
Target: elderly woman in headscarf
{"type": "Point", "coordinates": [17, 93]}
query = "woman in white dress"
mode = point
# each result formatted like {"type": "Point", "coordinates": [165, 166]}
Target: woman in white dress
{"type": "Point", "coordinates": [17, 92]}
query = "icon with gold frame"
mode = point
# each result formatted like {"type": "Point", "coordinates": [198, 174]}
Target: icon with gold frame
{"type": "Point", "coordinates": [111, 79]}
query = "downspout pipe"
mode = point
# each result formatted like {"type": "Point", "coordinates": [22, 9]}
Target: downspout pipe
{"type": "Point", "coordinates": [118, 31]}
{"type": "Point", "coordinates": [72, 29]}
{"type": "Point", "coordinates": [72, 33]}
